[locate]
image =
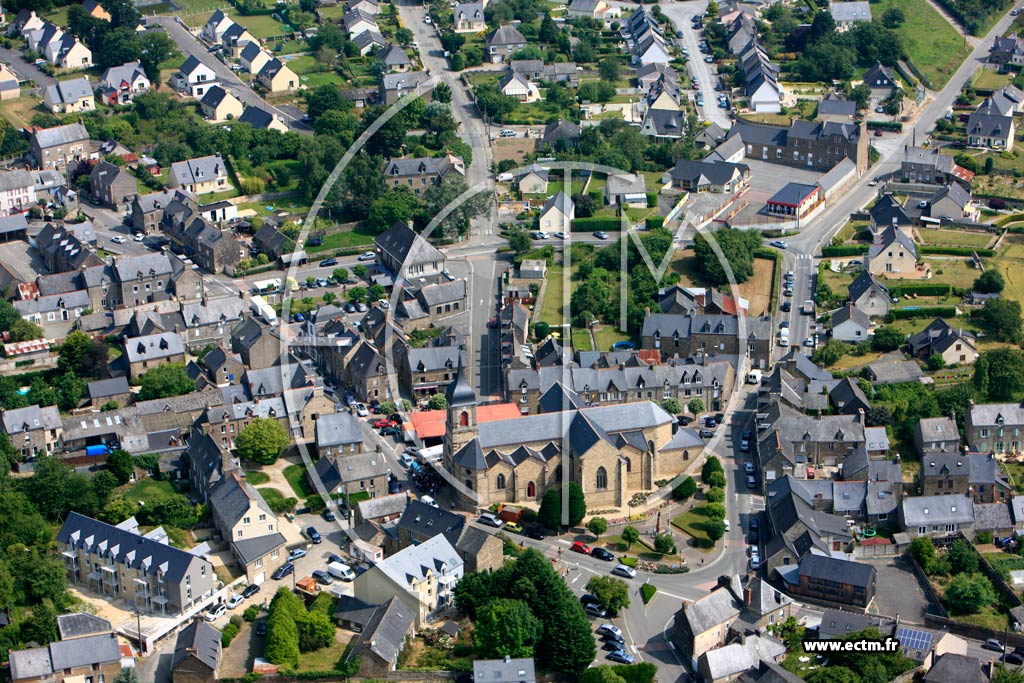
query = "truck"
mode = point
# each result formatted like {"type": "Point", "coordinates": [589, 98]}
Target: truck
{"type": "Point", "coordinates": [261, 308]}
{"type": "Point", "coordinates": [754, 377]}
{"type": "Point", "coordinates": [808, 307]}
{"type": "Point", "coordinates": [430, 454]}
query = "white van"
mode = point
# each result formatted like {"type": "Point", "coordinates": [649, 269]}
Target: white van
{"type": "Point", "coordinates": [784, 337]}
{"type": "Point", "coordinates": [341, 571]}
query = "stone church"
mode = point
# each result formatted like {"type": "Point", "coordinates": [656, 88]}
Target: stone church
{"type": "Point", "coordinates": [612, 451]}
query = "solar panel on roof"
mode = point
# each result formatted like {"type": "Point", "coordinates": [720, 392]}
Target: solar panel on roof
{"type": "Point", "coordinates": [914, 639]}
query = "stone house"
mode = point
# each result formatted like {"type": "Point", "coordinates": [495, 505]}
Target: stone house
{"type": "Point", "coordinates": [197, 651]}
{"type": "Point", "coordinates": [33, 430]}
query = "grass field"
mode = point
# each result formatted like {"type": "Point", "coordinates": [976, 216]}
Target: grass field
{"type": "Point", "coordinates": [296, 476]}
{"type": "Point", "coordinates": [692, 522]}
{"type": "Point", "coordinates": [58, 17]}
{"type": "Point", "coordinates": [262, 26]}
{"type": "Point", "coordinates": [304, 64]}
{"type": "Point", "coordinates": [275, 499]}
{"type": "Point", "coordinates": [328, 658]}
{"type": "Point", "coordinates": [551, 306]}
{"type": "Point", "coordinates": [608, 335]}
{"type": "Point", "coordinates": [19, 112]}
{"type": "Point", "coordinates": [955, 238]}
{"type": "Point", "coordinates": [989, 79]}
{"type": "Point", "coordinates": [256, 478]}
{"type": "Point", "coordinates": [934, 45]}
{"type": "Point", "coordinates": [581, 341]}
{"type": "Point", "coordinates": [1010, 261]}
{"type": "Point", "coordinates": [955, 272]}
{"type": "Point", "coordinates": [360, 236]}
{"type": "Point", "coordinates": [148, 490]}
{"type": "Point", "coordinates": [757, 290]}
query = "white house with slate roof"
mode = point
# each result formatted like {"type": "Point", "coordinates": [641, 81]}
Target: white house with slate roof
{"type": "Point", "coordinates": [200, 176]}
{"type": "Point", "coordinates": [846, 14]}
{"type": "Point", "coordinates": [261, 119]}
{"type": "Point", "coordinates": [422, 577]}
{"type": "Point", "coordinates": [401, 245]}
{"type": "Point", "coordinates": [249, 525]}
{"type": "Point", "coordinates": [253, 57]}
{"type": "Point", "coordinates": [338, 434]}
{"type": "Point", "coordinates": [120, 84]}
{"type": "Point", "coordinates": [220, 105]}
{"type": "Point", "coordinates": [469, 17]}
{"type": "Point", "coordinates": [937, 516]}
{"type": "Point", "coordinates": [850, 324]}
{"type": "Point", "coordinates": [70, 97]}
{"type": "Point", "coordinates": [557, 214]}
{"type": "Point", "coordinates": [195, 78]}
{"type": "Point", "coordinates": [17, 192]}
{"type": "Point", "coordinates": [869, 295]}
{"type": "Point", "coordinates": [503, 43]}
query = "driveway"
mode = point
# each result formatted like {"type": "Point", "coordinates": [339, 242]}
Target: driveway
{"type": "Point", "coordinates": [902, 594]}
{"type": "Point", "coordinates": [25, 71]}
{"type": "Point", "coordinates": [189, 45]}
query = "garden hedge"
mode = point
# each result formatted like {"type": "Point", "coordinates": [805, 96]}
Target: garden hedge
{"type": "Point", "coordinates": [956, 251]}
{"type": "Point", "coordinates": [922, 289]}
{"type": "Point", "coordinates": [845, 250]}
{"type": "Point", "coordinates": [595, 223]}
{"type": "Point", "coordinates": [885, 125]}
{"type": "Point", "coordinates": [654, 222]}
{"type": "Point", "coordinates": [925, 312]}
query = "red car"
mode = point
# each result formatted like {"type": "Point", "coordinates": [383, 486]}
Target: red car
{"type": "Point", "coordinates": [383, 423]}
{"type": "Point", "coordinates": [581, 547]}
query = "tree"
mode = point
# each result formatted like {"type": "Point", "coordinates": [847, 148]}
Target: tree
{"type": "Point", "coordinates": [999, 374]}
{"type": "Point", "coordinates": [262, 441]}
{"type": "Point", "coordinates": [551, 507]}
{"type": "Point", "coordinates": [968, 593]}
{"type": "Point", "coordinates": [1005, 675]}
{"type": "Point", "coordinates": [116, 511]}
{"type": "Point", "coordinates": [126, 676]}
{"type": "Point", "coordinates": [506, 628]}
{"type": "Point", "coordinates": [395, 205]}
{"type": "Point", "coordinates": [830, 353]}
{"type": "Point", "coordinates": [165, 381]}
{"type": "Point", "coordinates": [442, 93]}
{"type": "Point", "coordinates": [440, 197]}
{"type": "Point", "coordinates": [715, 495]}
{"type": "Point", "coordinates": [695, 406]}
{"type": "Point", "coordinates": [711, 465]}
{"type": "Point", "coordinates": [609, 69]}
{"type": "Point", "coordinates": [577, 504]}
{"type": "Point", "coordinates": [359, 271]}
{"type": "Point", "coordinates": [833, 674]}
{"type": "Point", "coordinates": [24, 330]}
{"type": "Point", "coordinates": [519, 241]}
{"type": "Point", "coordinates": [475, 590]}
{"type": "Point", "coordinates": [887, 339]}
{"type": "Point", "coordinates": [715, 510]}
{"type": "Point", "coordinates": [437, 402]}
{"type": "Point", "coordinates": [119, 46]}
{"type": "Point", "coordinates": [492, 102]}
{"type": "Point", "coordinates": [1002, 319]}
{"type": "Point", "coordinates": [715, 479]}
{"type": "Point", "coordinates": [715, 529]}
{"type": "Point", "coordinates": [42, 624]}
{"type": "Point", "coordinates": [962, 557]}
{"type": "Point", "coordinates": [685, 489]}
{"type": "Point", "coordinates": [548, 31]}
{"type": "Point", "coordinates": [600, 674]}
{"type": "Point", "coordinates": [157, 47]}
{"type": "Point", "coordinates": [630, 534]}
{"type": "Point", "coordinates": [281, 646]}
{"type": "Point", "coordinates": [989, 282]}
{"type": "Point", "coordinates": [121, 464]}
{"type": "Point", "coordinates": [611, 593]}
{"type": "Point", "coordinates": [339, 274]}
{"type": "Point", "coordinates": [893, 17]}
{"type": "Point", "coordinates": [672, 406]}
{"type": "Point", "coordinates": [597, 525]}
{"type": "Point", "coordinates": [357, 294]}
{"type": "Point", "coordinates": [316, 631]}
{"type": "Point", "coordinates": [83, 356]}
{"type": "Point", "coordinates": [361, 184]}
{"type": "Point", "coordinates": [967, 161]}
{"type": "Point", "coordinates": [664, 544]}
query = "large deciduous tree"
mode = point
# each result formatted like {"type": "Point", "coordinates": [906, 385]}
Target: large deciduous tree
{"type": "Point", "coordinates": [262, 441]}
{"type": "Point", "coordinates": [506, 628]}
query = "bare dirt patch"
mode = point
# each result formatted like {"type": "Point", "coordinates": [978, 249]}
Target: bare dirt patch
{"type": "Point", "coordinates": [515, 149]}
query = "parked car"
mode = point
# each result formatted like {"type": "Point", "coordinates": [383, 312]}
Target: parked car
{"type": "Point", "coordinates": [314, 535]}
{"type": "Point", "coordinates": [707, 434]}
{"type": "Point", "coordinates": [326, 263]}
{"type": "Point", "coordinates": [621, 656]}
{"type": "Point", "coordinates": [335, 558]}
{"type": "Point", "coordinates": [216, 612]}
{"type": "Point", "coordinates": [751, 482]}
{"type": "Point", "coordinates": [234, 601]}
{"type": "Point", "coordinates": [361, 307]}
{"type": "Point", "coordinates": [602, 554]}
{"type": "Point", "coordinates": [625, 571]}
{"type": "Point", "coordinates": [328, 515]}
{"type": "Point", "coordinates": [595, 610]}
{"type": "Point", "coordinates": [261, 628]}
{"type": "Point", "coordinates": [588, 599]}
{"type": "Point", "coordinates": [296, 553]}
{"type": "Point", "coordinates": [580, 547]}
{"type": "Point", "coordinates": [139, 237]}
{"type": "Point", "coordinates": [513, 527]}
{"type": "Point", "coordinates": [994, 645]}
{"type": "Point", "coordinates": [250, 591]}
{"type": "Point", "coordinates": [367, 256]}
{"type": "Point", "coordinates": [507, 133]}
{"type": "Point", "coordinates": [491, 520]}
{"type": "Point", "coordinates": [779, 244]}
{"type": "Point", "coordinates": [614, 639]}
{"type": "Point", "coordinates": [323, 578]}
{"type": "Point", "coordinates": [748, 467]}
{"type": "Point", "coordinates": [283, 571]}
{"type": "Point", "coordinates": [753, 538]}
{"type": "Point", "coordinates": [535, 532]}
{"type": "Point", "coordinates": [786, 307]}
{"type": "Point", "coordinates": [394, 430]}
{"type": "Point", "coordinates": [361, 410]}
{"type": "Point", "coordinates": [601, 235]}
{"type": "Point", "coordinates": [610, 629]}
{"type": "Point", "coordinates": [1013, 658]}
{"type": "Point", "coordinates": [383, 423]}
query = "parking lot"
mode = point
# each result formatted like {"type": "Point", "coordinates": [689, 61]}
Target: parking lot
{"type": "Point", "coordinates": [765, 180]}
{"type": "Point", "coordinates": [902, 594]}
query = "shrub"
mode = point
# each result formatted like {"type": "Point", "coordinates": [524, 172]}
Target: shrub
{"type": "Point", "coordinates": [844, 250]}
{"type": "Point", "coordinates": [983, 537]}
{"type": "Point", "coordinates": [922, 289]}
{"type": "Point", "coordinates": [628, 561]}
{"type": "Point", "coordinates": [926, 312]}
{"type": "Point", "coordinates": [595, 223]}
{"type": "Point", "coordinates": [251, 613]}
{"type": "Point", "coordinates": [228, 634]}
{"type": "Point", "coordinates": [664, 544]}
{"type": "Point", "coordinates": [685, 489]}
{"type": "Point", "coordinates": [955, 251]}
{"type": "Point", "coordinates": [236, 620]}
{"type": "Point", "coordinates": [647, 592]}
{"type": "Point", "coordinates": [715, 495]}
{"type": "Point", "coordinates": [597, 525]}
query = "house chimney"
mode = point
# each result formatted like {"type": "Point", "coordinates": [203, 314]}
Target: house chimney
{"type": "Point", "coordinates": [747, 596]}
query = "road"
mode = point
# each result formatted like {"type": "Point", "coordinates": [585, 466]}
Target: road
{"type": "Point", "coordinates": [24, 70]}
{"type": "Point", "coordinates": [681, 14]}
{"type": "Point", "coordinates": [189, 45]}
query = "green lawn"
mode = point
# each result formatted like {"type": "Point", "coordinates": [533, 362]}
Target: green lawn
{"type": "Point", "coordinates": [262, 26]}
{"type": "Point", "coordinates": [257, 478]}
{"type": "Point", "coordinates": [934, 45]}
{"type": "Point", "coordinates": [343, 239]}
{"type": "Point", "coordinates": [581, 340]}
{"type": "Point", "coordinates": [608, 335]}
{"type": "Point", "coordinates": [955, 238]}
{"type": "Point", "coordinates": [58, 17]}
{"type": "Point", "coordinates": [1010, 261]}
{"type": "Point", "coordinates": [989, 79]}
{"type": "Point", "coordinates": [275, 499]}
{"type": "Point", "coordinates": [296, 476]}
{"type": "Point", "coordinates": [327, 659]}
{"type": "Point", "coordinates": [692, 522]}
{"type": "Point", "coordinates": [148, 490]}
{"type": "Point", "coordinates": [551, 307]}
{"type": "Point", "coordinates": [304, 64]}
{"type": "Point", "coordinates": [956, 273]}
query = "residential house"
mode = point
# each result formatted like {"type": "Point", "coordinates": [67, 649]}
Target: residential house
{"type": "Point", "coordinates": [594, 9]}
{"type": "Point", "coordinates": [144, 571]}
{"type": "Point", "coordinates": [850, 324]}
{"type": "Point", "coordinates": [220, 105]}
{"type": "Point", "coordinates": [976, 475]}
{"type": "Point", "coordinates": [1007, 51]}
{"type": "Point", "coordinates": [991, 127]}
{"type": "Point", "coordinates": [33, 430]}
{"type": "Point", "coordinates": [533, 180]}
{"type": "Point", "coordinates": [370, 40]}
{"type": "Point", "coordinates": [519, 88]}
{"type": "Point", "coordinates": [58, 147]}
{"type": "Point", "coordinates": [869, 295]}
{"type": "Point", "coordinates": [216, 25]}
{"type": "Point", "coordinates": [480, 551]}
{"type": "Point", "coordinates": [420, 173]}
{"type": "Point", "coordinates": [846, 14]}
{"type": "Point", "coordinates": [17, 192]}
{"type": "Point", "coordinates": [252, 58]}
{"type": "Point", "coordinates": [421, 522]}
{"type": "Point", "coordinates": [249, 525]}
{"type": "Point", "coordinates": [197, 651]}
{"type": "Point", "coordinates": [953, 202]}
{"type": "Point", "coordinates": [426, 370]}
{"type": "Point", "coordinates": [937, 435]}
{"type": "Point", "coordinates": [798, 525]}
{"type": "Point", "coordinates": [146, 353]}
{"type": "Point", "coordinates": [363, 474]}
{"type": "Point", "coordinates": [761, 86]}
{"type": "Point", "coordinates": [261, 119]}
{"type": "Point", "coordinates": [256, 343]}
{"type": "Point", "coordinates": [834, 580]}
{"type": "Point", "coordinates": [383, 637]}
{"type": "Point", "coordinates": [62, 251]}
{"type": "Point", "coordinates": [68, 661]}
{"type": "Point", "coordinates": [10, 85]}
{"type": "Point", "coordinates": [395, 58]}
{"type": "Point", "coordinates": [427, 306]}
{"type": "Point", "coordinates": [469, 17]}
{"type": "Point", "coordinates": [194, 78]}
{"type": "Point", "coordinates": [881, 80]}
{"type": "Point", "coordinates": [338, 434]}
{"type": "Point", "coordinates": [836, 108]}
{"type": "Point", "coordinates": [700, 335]}
{"type": "Point", "coordinates": [939, 516]}
{"type": "Point", "coordinates": [26, 22]}
{"type": "Point", "coordinates": [201, 175]}
{"type": "Point", "coordinates": [557, 214]}
{"type": "Point", "coordinates": [956, 667]}
{"type": "Point", "coordinates": [148, 209]}
{"type": "Point", "coordinates": [120, 84]}
{"type": "Point", "coordinates": [381, 510]}
{"type": "Point", "coordinates": [112, 185]}
{"type": "Point", "coordinates": [561, 134]}
{"type": "Point", "coordinates": [356, 21]}
{"type": "Point", "coordinates": [887, 211]}
{"type": "Point", "coordinates": [276, 77]}
{"type": "Point", "coordinates": [60, 48]}
{"type": "Point", "coordinates": [798, 444]}
{"type": "Point", "coordinates": [103, 391]}
{"type": "Point", "coordinates": [629, 190]}
{"type": "Point", "coordinates": [699, 176]}
{"type": "Point", "coordinates": [394, 87]}
{"type": "Point", "coordinates": [994, 428]}
{"type": "Point", "coordinates": [234, 40]}
{"type": "Point", "coordinates": [400, 249]}
{"type": "Point", "coordinates": [95, 10]}
{"type": "Point", "coordinates": [929, 165]}
{"type": "Point", "coordinates": [70, 97]}
{"type": "Point", "coordinates": [421, 576]}
{"type": "Point", "coordinates": [954, 345]}
{"type": "Point", "coordinates": [893, 254]}
{"type": "Point", "coordinates": [704, 624]}
{"type": "Point", "coordinates": [662, 124]}
{"type": "Point", "coordinates": [894, 372]}
{"type": "Point", "coordinates": [740, 658]}
{"type": "Point", "coordinates": [503, 43]}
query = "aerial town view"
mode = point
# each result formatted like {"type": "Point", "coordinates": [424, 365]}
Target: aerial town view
{"type": "Point", "coordinates": [512, 341]}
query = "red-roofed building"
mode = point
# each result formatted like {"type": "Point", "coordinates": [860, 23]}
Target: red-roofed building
{"type": "Point", "coordinates": [429, 425]}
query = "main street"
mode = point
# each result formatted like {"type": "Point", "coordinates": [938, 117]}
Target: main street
{"type": "Point", "coordinates": [681, 14]}
{"type": "Point", "coordinates": [190, 45]}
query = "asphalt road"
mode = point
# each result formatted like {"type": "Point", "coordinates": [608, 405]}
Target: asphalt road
{"type": "Point", "coordinates": [189, 45]}
{"type": "Point", "coordinates": [681, 14]}
{"type": "Point", "coordinates": [25, 70]}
